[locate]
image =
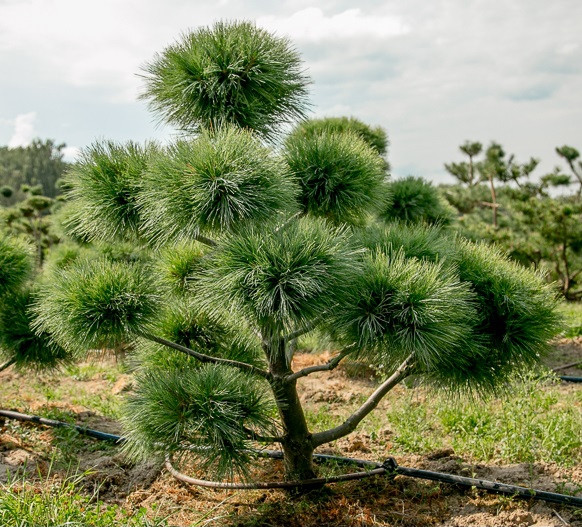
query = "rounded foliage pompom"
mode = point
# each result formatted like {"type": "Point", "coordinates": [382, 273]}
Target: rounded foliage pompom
{"type": "Point", "coordinates": [231, 73]}
{"type": "Point", "coordinates": [180, 264]}
{"type": "Point", "coordinates": [414, 200]}
{"type": "Point", "coordinates": [517, 309]}
{"type": "Point", "coordinates": [97, 304]}
{"type": "Point", "coordinates": [425, 242]}
{"type": "Point", "coordinates": [18, 340]}
{"type": "Point", "coordinates": [406, 306]}
{"type": "Point", "coordinates": [15, 263]}
{"type": "Point", "coordinates": [189, 326]}
{"type": "Point", "coordinates": [103, 187]}
{"type": "Point", "coordinates": [213, 183]}
{"type": "Point", "coordinates": [212, 411]}
{"type": "Point", "coordinates": [281, 277]}
{"type": "Point", "coordinates": [374, 137]}
{"type": "Point", "coordinates": [341, 178]}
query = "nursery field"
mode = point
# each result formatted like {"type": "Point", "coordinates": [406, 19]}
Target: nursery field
{"type": "Point", "coordinates": [530, 436]}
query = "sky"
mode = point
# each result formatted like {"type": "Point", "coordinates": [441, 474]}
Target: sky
{"type": "Point", "coordinates": [433, 73]}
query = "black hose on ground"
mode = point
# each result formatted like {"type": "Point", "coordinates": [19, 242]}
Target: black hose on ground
{"type": "Point", "coordinates": [568, 378]}
{"type": "Point", "coordinates": [389, 467]}
{"type": "Point", "coordinates": [96, 434]}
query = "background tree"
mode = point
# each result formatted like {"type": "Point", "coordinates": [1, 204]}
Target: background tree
{"type": "Point", "coordinates": [538, 221]}
{"type": "Point", "coordinates": [40, 163]}
{"type": "Point", "coordinates": [572, 157]}
{"type": "Point", "coordinates": [32, 218]}
{"type": "Point", "coordinates": [267, 246]}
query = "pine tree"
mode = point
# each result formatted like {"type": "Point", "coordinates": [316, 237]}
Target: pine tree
{"type": "Point", "coordinates": [254, 246]}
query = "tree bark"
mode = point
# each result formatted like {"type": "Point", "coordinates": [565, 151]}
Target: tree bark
{"type": "Point", "coordinates": [296, 441]}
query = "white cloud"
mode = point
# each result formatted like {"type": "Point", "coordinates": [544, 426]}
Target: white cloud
{"type": "Point", "coordinates": [70, 153]}
{"type": "Point", "coordinates": [24, 131]}
{"type": "Point", "coordinates": [312, 24]}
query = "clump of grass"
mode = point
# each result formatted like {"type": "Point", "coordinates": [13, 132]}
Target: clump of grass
{"type": "Point", "coordinates": [534, 422]}
{"type": "Point", "coordinates": [61, 502]}
{"type": "Point", "coordinates": [572, 313]}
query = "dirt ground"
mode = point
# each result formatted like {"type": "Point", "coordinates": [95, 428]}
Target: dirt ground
{"type": "Point", "coordinates": [375, 501]}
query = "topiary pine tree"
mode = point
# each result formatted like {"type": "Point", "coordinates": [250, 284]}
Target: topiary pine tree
{"type": "Point", "coordinates": [256, 247]}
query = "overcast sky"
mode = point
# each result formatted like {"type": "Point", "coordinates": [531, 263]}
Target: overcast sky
{"type": "Point", "coordinates": [432, 73]}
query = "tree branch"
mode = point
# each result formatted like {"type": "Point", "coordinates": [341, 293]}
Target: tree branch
{"type": "Point", "coordinates": [262, 439]}
{"type": "Point", "coordinates": [208, 358]}
{"type": "Point", "coordinates": [305, 329]}
{"type": "Point", "coordinates": [328, 366]}
{"type": "Point", "coordinates": [350, 424]}
{"type": "Point", "coordinates": [205, 240]}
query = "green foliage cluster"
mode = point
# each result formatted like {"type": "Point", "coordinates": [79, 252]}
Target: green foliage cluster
{"type": "Point", "coordinates": [106, 180]}
{"type": "Point", "coordinates": [340, 176]}
{"type": "Point", "coordinates": [97, 304]}
{"type": "Point", "coordinates": [375, 137]}
{"type": "Point", "coordinates": [215, 182]}
{"type": "Point", "coordinates": [202, 410]}
{"type": "Point", "coordinates": [15, 263]}
{"type": "Point", "coordinates": [228, 74]}
{"type": "Point", "coordinates": [414, 200]}
{"type": "Point", "coordinates": [281, 279]}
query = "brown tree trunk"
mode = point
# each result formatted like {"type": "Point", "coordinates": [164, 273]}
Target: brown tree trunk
{"type": "Point", "coordinates": [493, 201]}
{"type": "Point", "coordinates": [297, 444]}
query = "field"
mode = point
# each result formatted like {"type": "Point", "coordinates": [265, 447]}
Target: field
{"type": "Point", "coordinates": [529, 436]}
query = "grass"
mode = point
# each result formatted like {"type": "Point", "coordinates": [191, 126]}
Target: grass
{"type": "Point", "coordinates": [572, 313]}
{"type": "Point", "coordinates": [53, 501]}
{"type": "Point", "coordinates": [536, 421]}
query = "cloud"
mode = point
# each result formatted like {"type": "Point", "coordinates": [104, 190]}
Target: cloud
{"type": "Point", "coordinates": [70, 153]}
{"type": "Point", "coordinates": [312, 24]}
{"type": "Point", "coordinates": [24, 130]}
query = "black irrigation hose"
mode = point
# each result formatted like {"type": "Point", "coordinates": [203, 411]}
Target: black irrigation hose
{"type": "Point", "coordinates": [103, 436]}
{"type": "Point", "coordinates": [568, 378]}
{"type": "Point", "coordinates": [389, 467]}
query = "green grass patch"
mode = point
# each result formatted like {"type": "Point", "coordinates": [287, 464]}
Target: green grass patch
{"type": "Point", "coordinates": [572, 313]}
{"type": "Point", "coordinates": [62, 502]}
{"type": "Point", "coordinates": [535, 421]}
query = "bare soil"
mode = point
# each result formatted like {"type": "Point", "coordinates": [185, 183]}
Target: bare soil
{"type": "Point", "coordinates": [373, 502]}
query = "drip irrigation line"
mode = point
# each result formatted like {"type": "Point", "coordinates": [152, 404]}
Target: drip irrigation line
{"type": "Point", "coordinates": [96, 434]}
{"type": "Point", "coordinates": [568, 378]}
{"type": "Point", "coordinates": [389, 468]}
{"type": "Point", "coordinates": [271, 484]}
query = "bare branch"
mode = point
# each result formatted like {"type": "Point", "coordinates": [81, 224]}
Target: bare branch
{"type": "Point", "coordinates": [305, 329]}
{"type": "Point", "coordinates": [309, 326]}
{"type": "Point", "coordinates": [328, 366]}
{"type": "Point", "coordinates": [262, 439]}
{"type": "Point", "coordinates": [205, 240]}
{"type": "Point", "coordinates": [208, 358]}
{"type": "Point", "coordinates": [350, 424]}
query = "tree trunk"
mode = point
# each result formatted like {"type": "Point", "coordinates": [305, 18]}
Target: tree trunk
{"type": "Point", "coordinates": [297, 444]}
{"type": "Point", "coordinates": [493, 200]}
